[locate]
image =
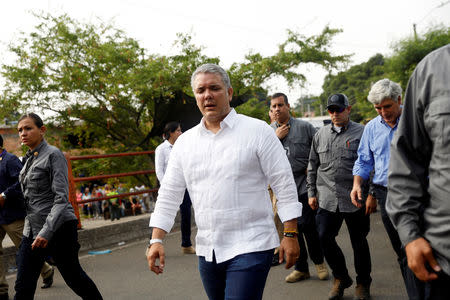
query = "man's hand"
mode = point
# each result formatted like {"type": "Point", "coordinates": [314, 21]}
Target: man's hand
{"type": "Point", "coordinates": [154, 252]}
{"type": "Point", "coordinates": [420, 254]}
{"type": "Point", "coordinates": [312, 201]}
{"type": "Point", "coordinates": [39, 242]}
{"type": "Point", "coordinates": [371, 205]}
{"type": "Point", "coordinates": [282, 131]}
{"type": "Point", "coordinates": [289, 248]}
{"type": "Point", "coordinates": [356, 196]}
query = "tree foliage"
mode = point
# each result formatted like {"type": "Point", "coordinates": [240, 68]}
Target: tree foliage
{"type": "Point", "coordinates": [356, 81]}
{"type": "Point", "coordinates": [96, 74]}
{"type": "Point", "coordinates": [410, 51]}
{"type": "Point", "coordinates": [107, 92]}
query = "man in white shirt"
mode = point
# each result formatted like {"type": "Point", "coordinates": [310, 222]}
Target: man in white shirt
{"type": "Point", "coordinates": [226, 163]}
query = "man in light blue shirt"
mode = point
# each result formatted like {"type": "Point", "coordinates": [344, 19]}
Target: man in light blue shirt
{"type": "Point", "coordinates": [373, 156]}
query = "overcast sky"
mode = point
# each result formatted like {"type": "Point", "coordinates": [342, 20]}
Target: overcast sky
{"type": "Point", "coordinates": [230, 29]}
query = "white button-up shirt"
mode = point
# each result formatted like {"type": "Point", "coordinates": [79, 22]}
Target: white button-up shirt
{"type": "Point", "coordinates": [227, 175]}
{"type": "Point", "coordinates": [162, 153]}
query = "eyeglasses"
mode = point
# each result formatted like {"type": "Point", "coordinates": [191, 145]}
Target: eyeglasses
{"type": "Point", "coordinates": [334, 109]}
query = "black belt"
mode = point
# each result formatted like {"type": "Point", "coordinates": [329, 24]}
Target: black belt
{"type": "Point", "coordinates": [381, 187]}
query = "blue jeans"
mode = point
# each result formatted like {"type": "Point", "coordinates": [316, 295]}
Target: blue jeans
{"type": "Point", "coordinates": [63, 248]}
{"type": "Point", "coordinates": [242, 277]}
{"type": "Point", "coordinates": [185, 212]}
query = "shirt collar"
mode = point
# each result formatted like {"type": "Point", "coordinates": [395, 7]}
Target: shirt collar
{"type": "Point", "coordinates": [382, 121]}
{"type": "Point", "coordinates": [36, 151]}
{"type": "Point", "coordinates": [228, 121]}
{"type": "Point", "coordinates": [288, 122]}
{"type": "Point", "coordinates": [343, 128]}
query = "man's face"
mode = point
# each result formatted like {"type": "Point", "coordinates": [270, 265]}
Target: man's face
{"type": "Point", "coordinates": [339, 116]}
{"type": "Point", "coordinates": [280, 109]}
{"type": "Point", "coordinates": [213, 98]}
{"type": "Point", "coordinates": [389, 110]}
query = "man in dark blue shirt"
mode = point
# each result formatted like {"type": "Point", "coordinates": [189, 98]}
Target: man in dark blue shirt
{"type": "Point", "coordinates": [12, 213]}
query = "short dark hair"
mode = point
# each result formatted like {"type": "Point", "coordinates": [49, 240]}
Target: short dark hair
{"type": "Point", "coordinates": [1, 141]}
{"type": "Point", "coordinates": [277, 95]}
{"type": "Point", "coordinates": [169, 128]}
{"type": "Point", "coordinates": [36, 119]}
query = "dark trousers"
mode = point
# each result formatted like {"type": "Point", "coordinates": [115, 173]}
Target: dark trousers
{"type": "Point", "coordinates": [114, 211]}
{"type": "Point", "coordinates": [414, 287]}
{"type": "Point", "coordinates": [63, 248]}
{"type": "Point", "coordinates": [185, 212]}
{"type": "Point", "coordinates": [358, 224]}
{"type": "Point", "coordinates": [307, 230]}
{"type": "Point", "coordinates": [240, 278]}
{"type": "Point", "coordinates": [438, 289]}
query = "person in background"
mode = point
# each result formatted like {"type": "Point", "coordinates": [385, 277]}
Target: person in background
{"type": "Point", "coordinates": [50, 224]}
{"type": "Point", "coordinates": [87, 207]}
{"type": "Point", "coordinates": [330, 181]}
{"type": "Point", "coordinates": [172, 131]}
{"type": "Point", "coordinates": [374, 156]}
{"type": "Point", "coordinates": [113, 203]}
{"type": "Point", "coordinates": [296, 137]}
{"type": "Point", "coordinates": [418, 201]}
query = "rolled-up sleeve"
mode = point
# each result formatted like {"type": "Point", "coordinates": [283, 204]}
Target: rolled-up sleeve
{"type": "Point", "coordinates": [365, 162]}
{"type": "Point", "coordinates": [277, 169]}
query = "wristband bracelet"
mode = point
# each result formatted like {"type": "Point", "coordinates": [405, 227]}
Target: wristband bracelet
{"type": "Point", "coordinates": [290, 234]}
{"type": "Point", "coordinates": [153, 241]}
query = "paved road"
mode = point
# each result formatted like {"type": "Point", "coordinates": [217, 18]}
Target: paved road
{"type": "Point", "coordinates": [124, 274]}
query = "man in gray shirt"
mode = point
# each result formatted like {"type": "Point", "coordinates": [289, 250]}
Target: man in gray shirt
{"type": "Point", "coordinates": [418, 201]}
{"type": "Point", "coordinates": [330, 180]}
{"type": "Point", "coordinates": [296, 136]}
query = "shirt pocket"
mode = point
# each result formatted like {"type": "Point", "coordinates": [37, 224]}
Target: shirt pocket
{"type": "Point", "coordinates": [324, 154]}
{"type": "Point", "coordinates": [438, 125]}
{"type": "Point", "coordinates": [350, 150]}
{"type": "Point", "coordinates": [39, 180]}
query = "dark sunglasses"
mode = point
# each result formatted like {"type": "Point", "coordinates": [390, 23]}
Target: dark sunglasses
{"type": "Point", "coordinates": [337, 109]}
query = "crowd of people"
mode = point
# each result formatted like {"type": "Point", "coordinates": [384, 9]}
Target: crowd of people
{"type": "Point", "coordinates": [113, 208]}
{"type": "Point", "coordinates": [223, 168]}
{"type": "Point", "coordinates": [319, 179]}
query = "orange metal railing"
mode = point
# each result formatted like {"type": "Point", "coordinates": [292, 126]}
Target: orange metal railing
{"type": "Point", "coordinates": [73, 180]}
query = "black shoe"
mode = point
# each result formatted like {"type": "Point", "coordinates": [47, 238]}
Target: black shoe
{"type": "Point", "coordinates": [48, 281]}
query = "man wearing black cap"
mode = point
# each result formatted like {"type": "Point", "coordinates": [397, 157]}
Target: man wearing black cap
{"type": "Point", "coordinates": [330, 181]}
{"type": "Point", "coordinates": [12, 213]}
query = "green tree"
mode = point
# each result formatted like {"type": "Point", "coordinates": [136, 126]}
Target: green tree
{"type": "Point", "coordinates": [355, 84]}
{"type": "Point", "coordinates": [410, 51]}
{"type": "Point", "coordinates": [107, 92]}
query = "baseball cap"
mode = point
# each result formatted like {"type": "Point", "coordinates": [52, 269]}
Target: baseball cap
{"type": "Point", "coordinates": [339, 100]}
